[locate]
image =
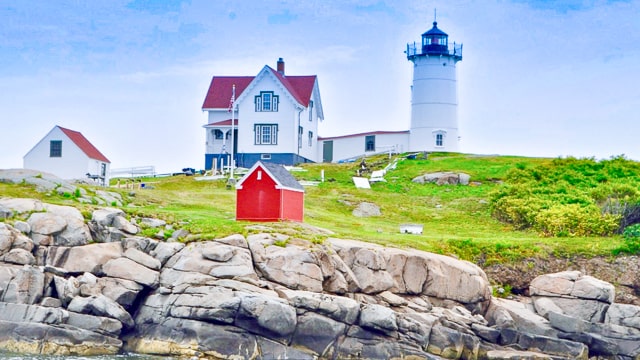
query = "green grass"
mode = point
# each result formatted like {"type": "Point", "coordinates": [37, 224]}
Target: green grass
{"type": "Point", "coordinates": [456, 219]}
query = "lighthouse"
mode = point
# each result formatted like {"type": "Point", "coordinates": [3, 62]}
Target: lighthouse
{"type": "Point", "coordinates": [434, 93]}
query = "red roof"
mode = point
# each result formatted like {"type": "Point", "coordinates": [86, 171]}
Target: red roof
{"type": "Point", "coordinates": [363, 134]}
{"type": "Point", "coordinates": [219, 94]}
{"type": "Point", "coordinates": [84, 145]}
{"type": "Point", "coordinates": [223, 123]}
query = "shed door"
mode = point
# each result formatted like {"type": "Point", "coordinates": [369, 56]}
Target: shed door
{"type": "Point", "coordinates": [327, 151]}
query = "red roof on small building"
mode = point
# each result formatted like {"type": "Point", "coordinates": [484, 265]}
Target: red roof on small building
{"type": "Point", "coordinates": [220, 89]}
{"type": "Point", "coordinates": [223, 123]}
{"type": "Point", "coordinates": [363, 134]}
{"type": "Point", "coordinates": [84, 145]}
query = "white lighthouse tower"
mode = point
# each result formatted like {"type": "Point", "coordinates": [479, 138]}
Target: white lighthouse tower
{"type": "Point", "coordinates": [434, 94]}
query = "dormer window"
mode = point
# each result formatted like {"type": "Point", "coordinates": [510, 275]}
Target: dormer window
{"type": "Point", "coordinates": [266, 101]}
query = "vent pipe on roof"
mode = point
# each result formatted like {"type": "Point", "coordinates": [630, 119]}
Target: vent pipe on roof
{"type": "Point", "coordinates": [280, 66]}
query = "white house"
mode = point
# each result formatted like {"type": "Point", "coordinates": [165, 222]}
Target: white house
{"type": "Point", "coordinates": [68, 155]}
{"type": "Point", "coordinates": [275, 118]}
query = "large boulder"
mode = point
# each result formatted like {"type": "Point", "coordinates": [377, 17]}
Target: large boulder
{"type": "Point", "coordinates": [87, 258]}
{"type": "Point", "coordinates": [443, 178]}
{"type": "Point", "coordinates": [291, 266]}
{"type": "Point", "coordinates": [572, 293]}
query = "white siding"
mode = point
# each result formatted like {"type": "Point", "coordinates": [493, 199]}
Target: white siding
{"type": "Point", "coordinates": [350, 147]}
{"type": "Point", "coordinates": [73, 164]}
{"type": "Point", "coordinates": [434, 103]}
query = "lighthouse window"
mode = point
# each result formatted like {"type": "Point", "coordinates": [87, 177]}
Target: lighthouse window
{"type": "Point", "coordinates": [439, 140]}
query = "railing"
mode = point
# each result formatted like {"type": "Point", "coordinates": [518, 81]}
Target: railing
{"type": "Point", "coordinates": [137, 171]}
{"type": "Point", "coordinates": [454, 50]}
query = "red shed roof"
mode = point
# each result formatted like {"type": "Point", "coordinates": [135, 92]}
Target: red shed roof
{"type": "Point", "coordinates": [84, 145]}
{"type": "Point", "coordinates": [219, 93]}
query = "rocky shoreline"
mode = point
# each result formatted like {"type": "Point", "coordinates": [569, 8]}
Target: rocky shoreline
{"type": "Point", "coordinates": [70, 286]}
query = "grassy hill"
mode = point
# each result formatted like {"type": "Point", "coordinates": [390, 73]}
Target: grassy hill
{"type": "Point", "coordinates": [458, 220]}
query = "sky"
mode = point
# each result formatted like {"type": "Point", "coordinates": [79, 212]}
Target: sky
{"type": "Point", "coordinates": [537, 78]}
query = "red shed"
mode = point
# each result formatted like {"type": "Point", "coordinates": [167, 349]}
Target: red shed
{"type": "Point", "coordinates": [268, 192]}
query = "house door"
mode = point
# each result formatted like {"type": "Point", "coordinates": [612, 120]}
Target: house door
{"type": "Point", "coordinates": [327, 151]}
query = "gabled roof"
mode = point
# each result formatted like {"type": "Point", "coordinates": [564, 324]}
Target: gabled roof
{"type": "Point", "coordinates": [220, 89]}
{"type": "Point", "coordinates": [300, 87]}
{"type": "Point", "coordinates": [219, 93]}
{"type": "Point", "coordinates": [91, 151]}
{"type": "Point", "coordinates": [282, 177]}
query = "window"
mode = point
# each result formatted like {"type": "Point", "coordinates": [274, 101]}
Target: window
{"type": "Point", "coordinates": [218, 134]}
{"type": "Point", "coordinates": [55, 148]}
{"type": "Point", "coordinates": [311, 110]}
{"type": "Point", "coordinates": [266, 101]}
{"type": "Point", "coordinates": [266, 134]}
{"type": "Point", "coordinates": [370, 143]}
{"type": "Point", "coordinates": [265, 156]}
{"type": "Point", "coordinates": [439, 140]}
{"type": "Point", "coordinates": [300, 132]}
{"type": "Point", "coordinates": [310, 138]}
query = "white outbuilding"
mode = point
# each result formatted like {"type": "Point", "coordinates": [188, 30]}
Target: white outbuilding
{"type": "Point", "coordinates": [68, 155]}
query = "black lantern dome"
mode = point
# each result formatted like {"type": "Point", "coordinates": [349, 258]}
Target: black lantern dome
{"type": "Point", "coordinates": [435, 41]}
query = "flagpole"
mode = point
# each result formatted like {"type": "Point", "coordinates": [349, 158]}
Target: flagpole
{"type": "Point", "coordinates": [233, 140]}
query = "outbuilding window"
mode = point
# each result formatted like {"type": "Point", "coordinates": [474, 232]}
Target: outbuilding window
{"type": "Point", "coordinates": [55, 148]}
{"type": "Point", "coordinates": [370, 143]}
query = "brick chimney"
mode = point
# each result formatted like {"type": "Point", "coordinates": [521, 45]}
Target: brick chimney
{"type": "Point", "coordinates": [280, 66]}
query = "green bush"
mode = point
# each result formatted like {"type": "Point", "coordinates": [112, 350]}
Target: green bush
{"type": "Point", "coordinates": [575, 220]}
{"type": "Point", "coordinates": [631, 236]}
{"type": "Point", "coordinates": [570, 197]}
{"type": "Point", "coordinates": [632, 232]}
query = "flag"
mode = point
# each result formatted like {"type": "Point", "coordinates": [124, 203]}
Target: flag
{"type": "Point", "coordinates": [233, 98]}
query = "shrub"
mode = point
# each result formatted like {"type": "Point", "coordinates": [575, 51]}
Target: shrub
{"type": "Point", "coordinates": [632, 232]}
{"type": "Point", "coordinates": [575, 220]}
{"type": "Point", "coordinates": [631, 236]}
{"type": "Point", "coordinates": [571, 197]}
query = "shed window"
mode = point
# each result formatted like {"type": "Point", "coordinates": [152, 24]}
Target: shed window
{"type": "Point", "coordinates": [55, 148]}
{"type": "Point", "coordinates": [370, 143]}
